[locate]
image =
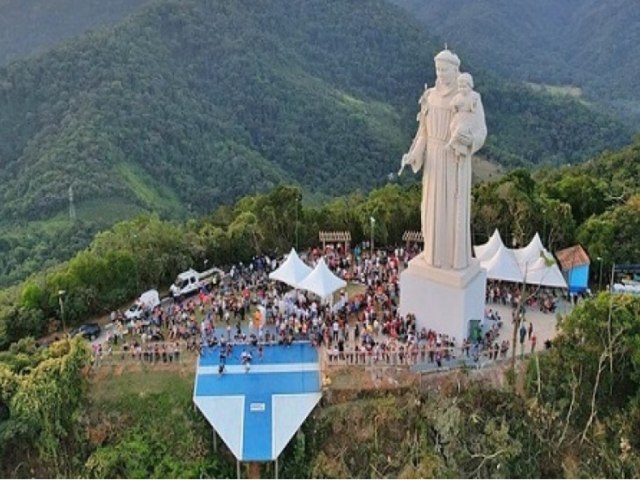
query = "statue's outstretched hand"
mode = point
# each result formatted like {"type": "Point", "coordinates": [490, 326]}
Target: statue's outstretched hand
{"type": "Point", "coordinates": [403, 163]}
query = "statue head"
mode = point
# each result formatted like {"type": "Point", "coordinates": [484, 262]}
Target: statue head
{"type": "Point", "coordinates": [465, 83]}
{"type": "Point", "coordinates": [447, 67]}
{"type": "Point", "coordinates": [448, 56]}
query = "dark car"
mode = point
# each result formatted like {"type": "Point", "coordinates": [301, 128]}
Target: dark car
{"type": "Point", "coordinates": [90, 331]}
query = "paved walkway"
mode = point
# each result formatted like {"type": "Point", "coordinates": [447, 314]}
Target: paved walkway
{"type": "Point", "coordinates": [544, 328]}
{"type": "Point", "coordinates": [544, 324]}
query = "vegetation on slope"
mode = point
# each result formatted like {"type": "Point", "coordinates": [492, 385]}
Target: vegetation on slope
{"type": "Point", "coordinates": [569, 205]}
{"type": "Point", "coordinates": [570, 412]}
{"type": "Point", "coordinates": [142, 423]}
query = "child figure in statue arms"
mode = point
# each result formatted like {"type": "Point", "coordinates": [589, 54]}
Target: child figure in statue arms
{"type": "Point", "coordinates": [464, 105]}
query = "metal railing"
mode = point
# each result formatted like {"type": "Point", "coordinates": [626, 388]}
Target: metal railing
{"type": "Point", "coordinates": [139, 355]}
{"type": "Point", "coordinates": [364, 357]}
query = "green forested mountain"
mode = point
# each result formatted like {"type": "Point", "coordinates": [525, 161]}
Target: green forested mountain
{"type": "Point", "coordinates": [590, 44]}
{"type": "Point", "coordinates": [200, 102]}
{"type": "Point", "coordinates": [33, 26]}
{"type": "Point", "coordinates": [193, 103]}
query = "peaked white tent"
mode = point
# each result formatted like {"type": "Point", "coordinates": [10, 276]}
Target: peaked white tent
{"type": "Point", "coordinates": [486, 251]}
{"type": "Point", "coordinates": [539, 273]}
{"type": "Point", "coordinates": [514, 265]}
{"type": "Point", "coordinates": [292, 271]}
{"type": "Point", "coordinates": [503, 266]}
{"type": "Point", "coordinates": [322, 281]}
{"type": "Point", "coordinates": [531, 252]}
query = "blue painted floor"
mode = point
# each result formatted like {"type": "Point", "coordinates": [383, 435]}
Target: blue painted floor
{"type": "Point", "coordinates": [256, 384]}
{"type": "Point", "coordinates": [293, 373]}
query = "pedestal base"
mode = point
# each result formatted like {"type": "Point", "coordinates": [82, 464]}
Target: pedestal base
{"type": "Point", "coordinates": [443, 300]}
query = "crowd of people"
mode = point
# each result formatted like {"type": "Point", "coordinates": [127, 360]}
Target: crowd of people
{"type": "Point", "coordinates": [247, 308]}
{"type": "Point", "coordinates": [506, 293]}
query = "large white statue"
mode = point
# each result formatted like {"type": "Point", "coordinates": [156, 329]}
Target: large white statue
{"type": "Point", "coordinates": [451, 128]}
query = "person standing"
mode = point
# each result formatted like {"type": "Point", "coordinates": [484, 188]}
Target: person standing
{"type": "Point", "coordinates": [523, 332]}
{"type": "Point", "coordinates": [523, 335]}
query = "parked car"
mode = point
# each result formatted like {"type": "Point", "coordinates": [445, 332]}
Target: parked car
{"type": "Point", "coordinates": [90, 331]}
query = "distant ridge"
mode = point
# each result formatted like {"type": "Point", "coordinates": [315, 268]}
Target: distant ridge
{"type": "Point", "coordinates": [591, 44]}
{"type": "Point", "coordinates": [29, 27]}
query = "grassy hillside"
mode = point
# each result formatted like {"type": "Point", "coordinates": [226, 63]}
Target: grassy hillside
{"type": "Point", "coordinates": [190, 104]}
{"type": "Point", "coordinates": [575, 43]}
{"type": "Point", "coordinates": [124, 403]}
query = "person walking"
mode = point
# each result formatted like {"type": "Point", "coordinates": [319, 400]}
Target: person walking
{"type": "Point", "coordinates": [523, 335]}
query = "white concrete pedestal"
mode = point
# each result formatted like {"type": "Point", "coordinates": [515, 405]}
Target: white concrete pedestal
{"type": "Point", "coordinates": [443, 300]}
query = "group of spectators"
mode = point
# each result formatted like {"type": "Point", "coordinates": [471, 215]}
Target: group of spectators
{"type": "Point", "coordinates": [365, 328]}
{"type": "Point", "coordinates": [504, 293]}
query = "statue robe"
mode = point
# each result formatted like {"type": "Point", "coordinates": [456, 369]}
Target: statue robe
{"type": "Point", "coordinates": [446, 181]}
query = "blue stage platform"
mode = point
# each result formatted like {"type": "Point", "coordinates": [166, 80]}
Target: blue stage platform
{"type": "Point", "coordinates": [257, 411]}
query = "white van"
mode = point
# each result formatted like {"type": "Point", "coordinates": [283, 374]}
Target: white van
{"type": "Point", "coordinates": [186, 283]}
{"type": "Point", "coordinates": [191, 281]}
{"type": "Point", "coordinates": [146, 303]}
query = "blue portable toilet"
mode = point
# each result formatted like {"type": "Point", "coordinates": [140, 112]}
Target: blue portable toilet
{"type": "Point", "coordinates": [574, 263]}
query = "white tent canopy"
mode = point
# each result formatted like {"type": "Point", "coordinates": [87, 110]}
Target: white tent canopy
{"type": "Point", "coordinates": [292, 271]}
{"type": "Point", "coordinates": [539, 273]}
{"type": "Point", "coordinates": [531, 263]}
{"type": "Point", "coordinates": [322, 281]}
{"type": "Point", "coordinates": [503, 266]}
{"type": "Point", "coordinates": [487, 250]}
{"type": "Point", "coordinates": [531, 252]}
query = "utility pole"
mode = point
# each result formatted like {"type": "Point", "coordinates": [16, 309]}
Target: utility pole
{"type": "Point", "coordinates": [61, 303]}
{"type": "Point", "coordinates": [373, 225]}
{"type": "Point", "coordinates": [297, 208]}
{"type": "Point", "coordinates": [72, 207]}
{"type": "Point", "coordinates": [600, 275]}
{"type": "Point", "coordinates": [519, 317]}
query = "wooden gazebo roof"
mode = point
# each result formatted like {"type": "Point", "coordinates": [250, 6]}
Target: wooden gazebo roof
{"type": "Point", "coordinates": [335, 236]}
{"type": "Point", "coordinates": [412, 236]}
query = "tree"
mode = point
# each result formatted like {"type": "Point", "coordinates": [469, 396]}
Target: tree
{"type": "Point", "coordinates": [613, 235]}
{"type": "Point", "coordinates": [586, 387]}
{"type": "Point", "coordinates": [43, 407]}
